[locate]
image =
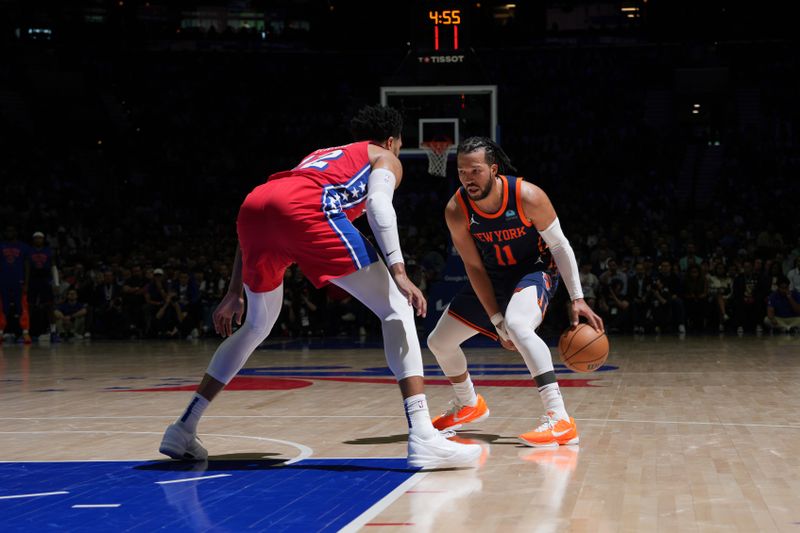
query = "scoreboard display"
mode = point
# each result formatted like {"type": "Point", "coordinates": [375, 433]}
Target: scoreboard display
{"type": "Point", "coordinates": [441, 28]}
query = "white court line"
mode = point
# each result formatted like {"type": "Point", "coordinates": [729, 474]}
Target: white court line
{"type": "Point", "coordinates": [96, 505]}
{"type": "Point", "coordinates": [689, 422]}
{"type": "Point", "coordinates": [184, 480]}
{"type": "Point", "coordinates": [734, 424]}
{"type": "Point", "coordinates": [383, 503]}
{"type": "Point", "coordinates": [305, 451]}
{"type": "Point", "coordinates": [13, 496]}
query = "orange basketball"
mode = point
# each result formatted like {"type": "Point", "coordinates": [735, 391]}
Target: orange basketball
{"type": "Point", "coordinates": [582, 349]}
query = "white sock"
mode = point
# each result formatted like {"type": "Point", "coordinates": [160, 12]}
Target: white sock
{"type": "Point", "coordinates": [194, 411]}
{"type": "Point", "coordinates": [465, 392]}
{"type": "Point", "coordinates": [552, 400]}
{"type": "Point", "coordinates": [419, 419]}
{"type": "Point", "coordinates": [52, 328]}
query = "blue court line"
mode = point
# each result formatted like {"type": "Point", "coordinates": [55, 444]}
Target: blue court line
{"type": "Point", "coordinates": [257, 495]}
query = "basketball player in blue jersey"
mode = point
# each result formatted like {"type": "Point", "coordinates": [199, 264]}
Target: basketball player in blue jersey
{"type": "Point", "coordinates": [509, 237]}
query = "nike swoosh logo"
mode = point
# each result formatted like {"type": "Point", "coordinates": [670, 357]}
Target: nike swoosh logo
{"type": "Point", "coordinates": [559, 433]}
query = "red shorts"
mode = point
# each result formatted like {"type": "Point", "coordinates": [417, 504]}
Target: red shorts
{"type": "Point", "coordinates": [281, 222]}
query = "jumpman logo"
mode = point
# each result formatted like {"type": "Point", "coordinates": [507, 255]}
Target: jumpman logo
{"type": "Point", "coordinates": [472, 220]}
{"type": "Point", "coordinates": [539, 260]}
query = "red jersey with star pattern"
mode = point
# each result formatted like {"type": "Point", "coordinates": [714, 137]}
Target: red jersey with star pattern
{"type": "Point", "coordinates": [339, 173]}
{"type": "Point", "coordinates": [304, 216]}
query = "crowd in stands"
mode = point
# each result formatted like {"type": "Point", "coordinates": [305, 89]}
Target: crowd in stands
{"type": "Point", "coordinates": [138, 207]}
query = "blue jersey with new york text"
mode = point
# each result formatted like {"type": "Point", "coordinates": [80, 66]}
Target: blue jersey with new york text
{"type": "Point", "coordinates": [508, 243]}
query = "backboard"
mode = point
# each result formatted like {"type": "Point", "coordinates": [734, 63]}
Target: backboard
{"type": "Point", "coordinates": [439, 112]}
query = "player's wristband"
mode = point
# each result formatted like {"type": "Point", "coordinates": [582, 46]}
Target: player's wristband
{"type": "Point", "coordinates": [500, 325]}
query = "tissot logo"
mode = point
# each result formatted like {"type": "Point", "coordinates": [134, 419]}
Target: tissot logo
{"type": "Point", "coordinates": [441, 59]}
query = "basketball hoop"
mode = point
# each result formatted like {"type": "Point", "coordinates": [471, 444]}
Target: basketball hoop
{"type": "Point", "coordinates": [437, 156]}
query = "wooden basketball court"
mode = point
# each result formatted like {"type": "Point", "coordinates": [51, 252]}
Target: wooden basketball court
{"type": "Point", "coordinates": [697, 434]}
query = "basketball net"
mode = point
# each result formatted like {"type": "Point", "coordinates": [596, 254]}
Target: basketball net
{"type": "Point", "coordinates": [437, 156]}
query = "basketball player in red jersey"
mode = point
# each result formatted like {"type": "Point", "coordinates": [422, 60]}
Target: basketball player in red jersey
{"type": "Point", "coordinates": [304, 216]}
{"type": "Point", "coordinates": [509, 237]}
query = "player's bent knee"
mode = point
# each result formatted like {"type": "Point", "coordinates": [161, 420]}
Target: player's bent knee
{"type": "Point", "coordinates": [434, 343]}
{"type": "Point", "coordinates": [521, 326]}
{"type": "Point", "coordinates": [256, 329]}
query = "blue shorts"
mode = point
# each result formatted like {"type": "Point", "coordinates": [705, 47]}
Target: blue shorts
{"type": "Point", "coordinates": [467, 308]}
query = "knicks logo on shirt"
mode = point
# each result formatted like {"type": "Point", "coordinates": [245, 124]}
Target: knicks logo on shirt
{"type": "Point", "coordinates": [39, 260]}
{"type": "Point", "coordinates": [500, 235]}
{"type": "Point", "coordinates": [11, 254]}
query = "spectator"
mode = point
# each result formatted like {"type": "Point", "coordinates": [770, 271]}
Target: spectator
{"type": "Point", "coordinates": [794, 275]}
{"type": "Point", "coordinates": [691, 258]}
{"type": "Point", "coordinates": [747, 310]}
{"type": "Point", "coordinates": [614, 307]}
{"type": "Point", "coordinates": [344, 313]}
{"type": "Point", "coordinates": [783, 308]}
{"type": "Point", "coordinates": [612, 273]}
{"type": "Point", "coordinates": [206, 303]}
{"type": "Point", "coordinates": [658, 304]}
{"type": "Point", "coordinates": [189, 301]}
{"type": "Point", "coordinates": [106, 311]}
{"type": "Point", "coordinates": [133, 301]}
{"type": "Point", "coordinates": [695, 297]}
{"type": "Point", "coordinates": [637, 293]}
{"type": "Point", "coordinates": [720, 287]}
{"type": "Point", "coordinates": [663, 253]}
{"type": "Point", "coordinates": [602, 253]}
{"type": "Point", "coordinates": [589, 283]}
{"type": "Point", "coordinates": [769, 281]}
{"type": "Point", "coordinates": [71, 316]}
{"type": "Point", "coordinates": [169, 317]}
{"type": "Point", "coordinates": [665, 298]}
{"type": "Point", "coordinates": [155, 296]}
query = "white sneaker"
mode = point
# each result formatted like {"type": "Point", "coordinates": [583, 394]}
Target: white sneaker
{"type": "Point", "coordinates": [182, 445]}
{"type": "Point", "coordinates": [438, 452]}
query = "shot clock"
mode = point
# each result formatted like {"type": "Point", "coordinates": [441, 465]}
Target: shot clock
{"type": "Point", "coordinates": [441, 28]}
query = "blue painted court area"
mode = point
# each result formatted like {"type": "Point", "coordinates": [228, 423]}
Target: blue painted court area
{"type": "Point", "coordinates": [258, 495]}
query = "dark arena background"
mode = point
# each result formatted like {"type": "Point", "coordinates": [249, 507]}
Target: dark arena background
{"type": "Point", "coordinates": [666, 134]}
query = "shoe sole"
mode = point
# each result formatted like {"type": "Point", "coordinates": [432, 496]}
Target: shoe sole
{"type": "Point", "coordinates": [425, 462]}
{"type": "Point", "coordinates": [454, 427]}
{"type": "Point", "coordinates": [178, 455]}
{"type": "Point", "coordinates": [551, 444]}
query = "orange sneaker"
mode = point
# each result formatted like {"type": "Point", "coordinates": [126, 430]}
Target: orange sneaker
{"type": "Point", "coordinates": [458, 415]}
{"type": "Point", "coordinates": [551, 432]}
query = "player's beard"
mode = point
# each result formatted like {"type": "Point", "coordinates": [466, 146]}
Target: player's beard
{"type": "Point", "coordinates": [483, 193]}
